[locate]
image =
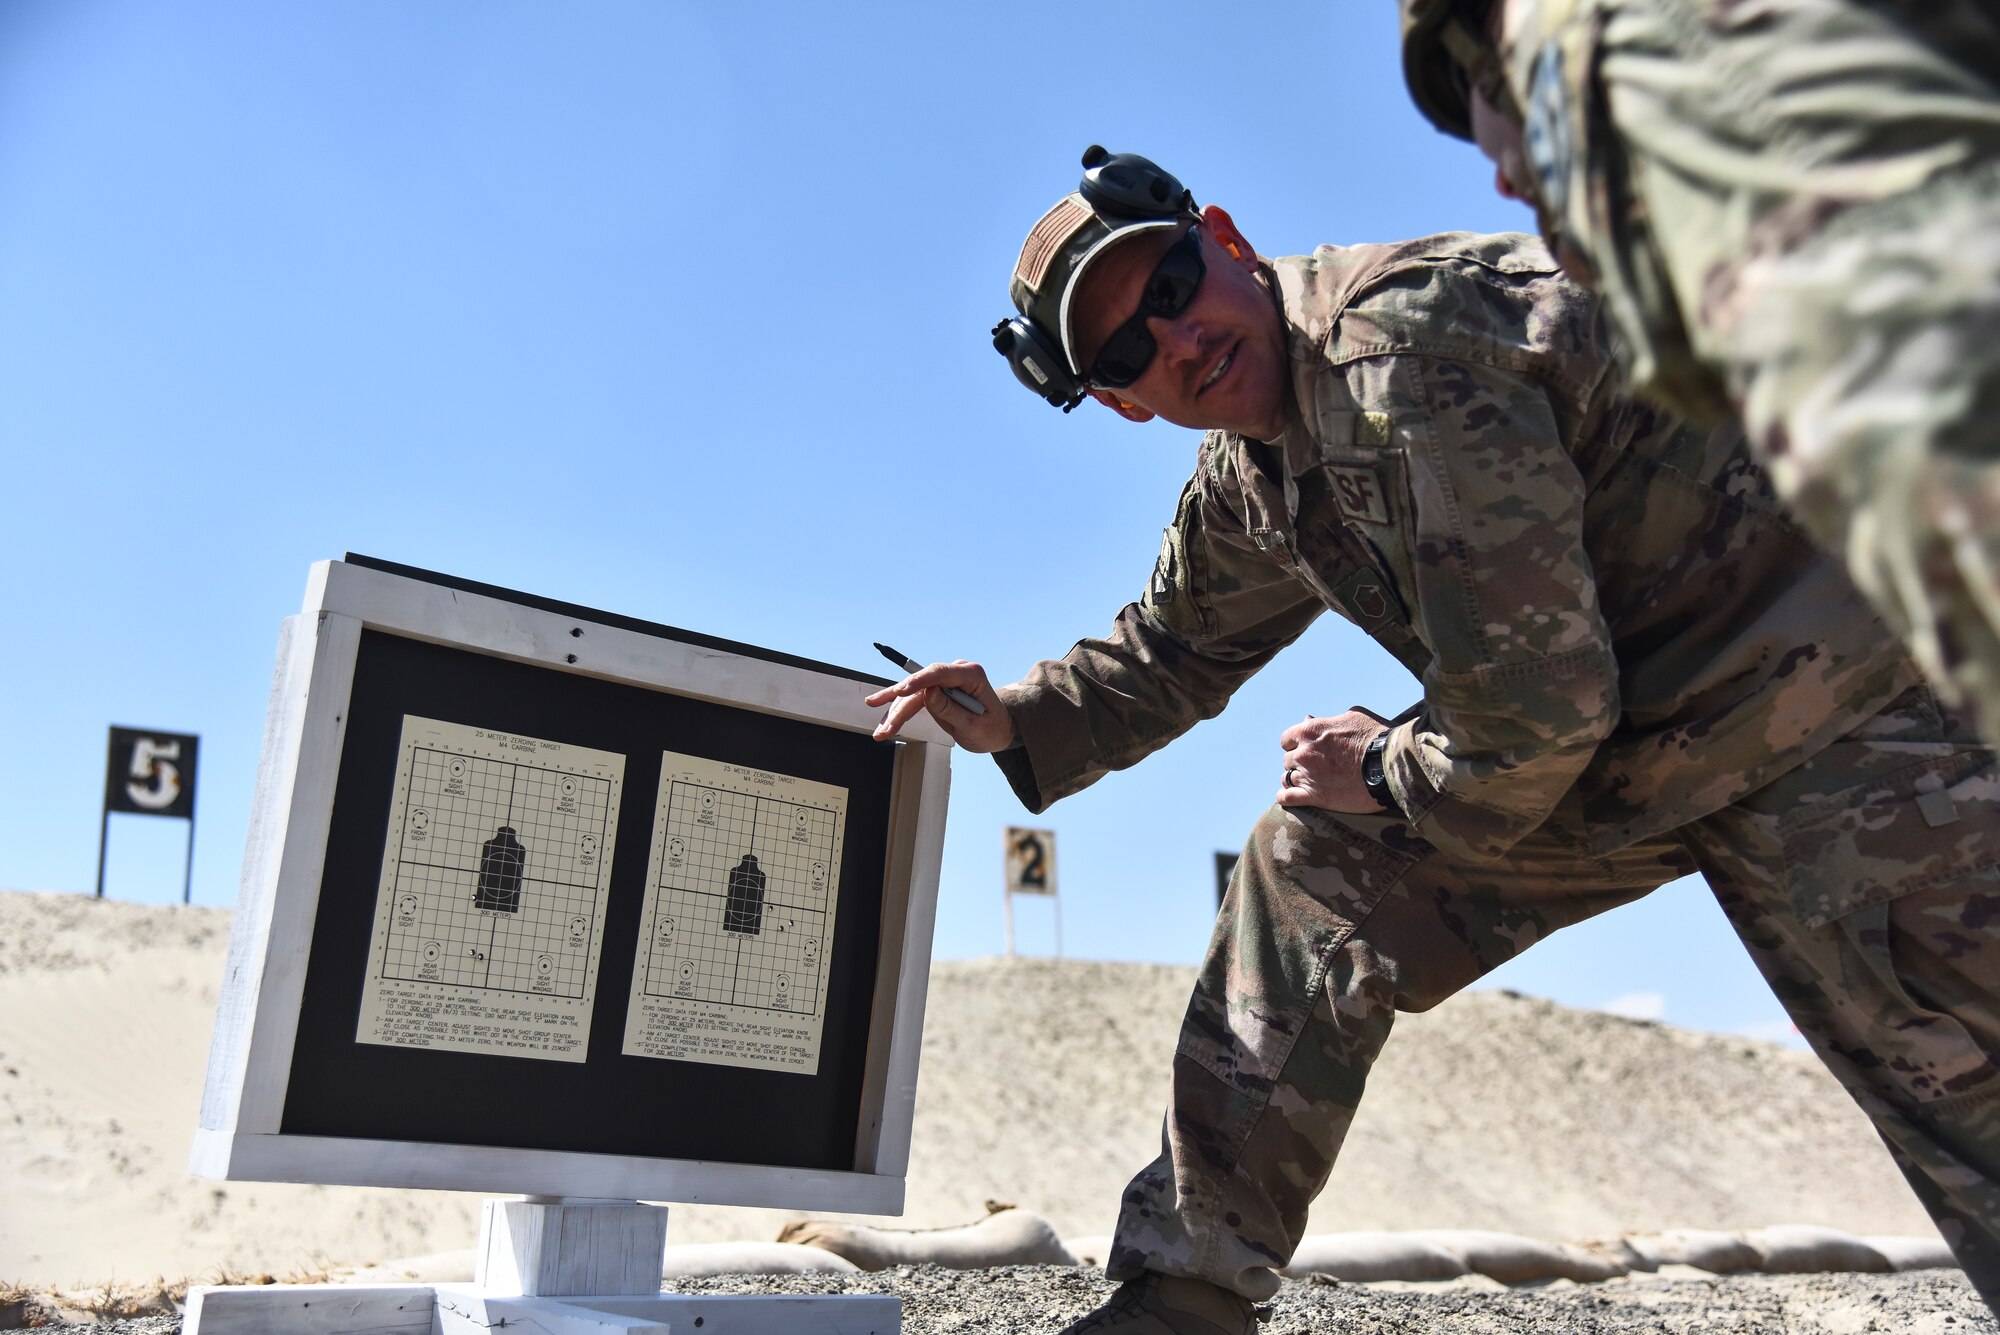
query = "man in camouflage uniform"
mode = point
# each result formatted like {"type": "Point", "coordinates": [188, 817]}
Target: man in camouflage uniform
{"type": "Point", "coordinates": [1792, 209]}
{"type": "Point", "coordinates": [1634, 666]}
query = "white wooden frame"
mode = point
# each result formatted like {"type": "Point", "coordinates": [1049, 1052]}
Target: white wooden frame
{"type": "Point", "coordinates": [258, 1013]}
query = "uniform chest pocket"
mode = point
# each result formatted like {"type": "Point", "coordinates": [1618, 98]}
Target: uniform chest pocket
{"type": "Point", "coordinates": [1361, 563]}
{"type": "Point", "coordinates": [1354, 512]}
{"type": "Point", "coordinates": [1359, 477]}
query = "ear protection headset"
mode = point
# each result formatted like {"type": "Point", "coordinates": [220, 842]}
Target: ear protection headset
{"type": "Point", "coordinates": [1121, 188]}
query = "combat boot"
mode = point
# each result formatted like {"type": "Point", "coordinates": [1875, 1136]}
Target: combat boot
{"type": "Point", "coordinates": [1157, 1304]}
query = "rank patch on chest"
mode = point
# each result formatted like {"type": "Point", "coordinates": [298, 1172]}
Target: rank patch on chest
{"type": "Point", "coordinates": [1358, 493]}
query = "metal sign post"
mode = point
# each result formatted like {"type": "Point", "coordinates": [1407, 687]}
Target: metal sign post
{"type": "Point", "coordinates": [1225, 867]}
{"type": "Point", "coordinates": [1029, 859]}
{"type": "Point", "coordinates": [149, 773]}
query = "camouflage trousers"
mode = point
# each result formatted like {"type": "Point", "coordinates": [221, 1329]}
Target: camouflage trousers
{"type": "Point", "coordinates": [1793, 209]}
{"type": "Point", "coordinates": [1863, 883]}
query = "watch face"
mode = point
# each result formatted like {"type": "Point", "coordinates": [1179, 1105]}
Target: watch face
{"type": "Point", "coordinates": [1373, 777]}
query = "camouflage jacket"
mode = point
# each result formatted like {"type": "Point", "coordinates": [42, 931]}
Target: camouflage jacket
{"type": "Point", "coordinates": [1612, 620]}
{"type": "Point", "coordinates": [1675, 146]}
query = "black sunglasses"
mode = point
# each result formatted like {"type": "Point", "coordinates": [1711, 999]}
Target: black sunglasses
{"type": "Point", "coordinates": [1129, 351]}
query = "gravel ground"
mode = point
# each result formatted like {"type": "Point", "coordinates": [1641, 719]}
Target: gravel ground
{"type": "Point", "coordinates": [1035, 1300]}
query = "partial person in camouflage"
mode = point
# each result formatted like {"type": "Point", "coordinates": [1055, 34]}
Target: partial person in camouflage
{"type": "Point", "coordinates": [1792, 209]}
{"type": "Point", "coordinates": [1634, 666]}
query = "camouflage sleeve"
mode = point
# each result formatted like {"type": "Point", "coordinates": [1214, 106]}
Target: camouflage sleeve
{"type": "Point", "coordinates": [1215, 611]}
{"type": "Point", "coordinates": [1522, 684]}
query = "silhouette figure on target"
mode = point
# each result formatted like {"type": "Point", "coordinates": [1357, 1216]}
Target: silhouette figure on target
{"type": "Point", "coordinates": [744, 911]}
{"type": "Point", "coordinates": [502, 860]}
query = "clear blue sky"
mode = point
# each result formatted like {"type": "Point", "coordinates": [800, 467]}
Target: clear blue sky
{"type": "Point", "coordinates": [674, 310]}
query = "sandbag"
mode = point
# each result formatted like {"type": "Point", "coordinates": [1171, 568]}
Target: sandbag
{"type": "Point", "coordinates": [1707, 1249]}
{"type": "Point", "coordinates": [695, 1260]}
{"type": "Point", "coordinates": [1513, 1259]}
{"type": "Point", "coordinates": [1366, 1257]}
{"type": "Point", "coordinates": [1623, 1252]}
{"type": "Point", "coordinates": [1906, 1253]}
{"type": "Point", "coordinates": [1008, 1237]}
{"type": "Point", "coordinates": [1807, 1249]}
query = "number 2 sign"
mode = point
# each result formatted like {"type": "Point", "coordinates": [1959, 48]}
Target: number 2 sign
{"type": "Point", "coordinates": [1029, 857]}
{"type": "Point", "coordinates": [1031, 861]}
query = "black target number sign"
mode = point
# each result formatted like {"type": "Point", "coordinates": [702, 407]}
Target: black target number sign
{"type": "Point", "coordinates": [151, 773]}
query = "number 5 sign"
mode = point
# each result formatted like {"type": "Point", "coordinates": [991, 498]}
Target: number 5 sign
{"type": "Point", "coordinates": [149, 773]}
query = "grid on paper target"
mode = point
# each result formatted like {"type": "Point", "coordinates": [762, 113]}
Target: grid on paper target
{"type": "Point", "coordinates": [494, 881]}
{"type": "Point", "coordinates": [739, 919]}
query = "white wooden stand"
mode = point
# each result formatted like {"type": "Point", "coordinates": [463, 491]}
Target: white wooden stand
{"type": "Point", "coordinates": [555, 1265]}
{"type": "Point", "coordinates": [561, 1246]}
{"type": "Point", "coordinates": [572, 1262]}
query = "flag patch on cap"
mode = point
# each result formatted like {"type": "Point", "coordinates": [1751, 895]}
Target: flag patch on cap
{"type": "Point", "coordinates": [1047, 239]}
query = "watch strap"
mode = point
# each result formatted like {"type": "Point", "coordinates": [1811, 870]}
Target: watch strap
{"type": "Point", "coordinates": [1375, 775]}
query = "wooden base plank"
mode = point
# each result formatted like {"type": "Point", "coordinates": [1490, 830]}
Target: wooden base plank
{"type": "Point", "coordinates": [310, 1309]}
{"type": "Point", "coordinates": [464, 1310]}
{"type": "Point", "coordinates": [480, 1314]}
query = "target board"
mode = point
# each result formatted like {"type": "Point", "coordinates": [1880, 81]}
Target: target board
{"type": "Point", "coordinates": [544, 899]}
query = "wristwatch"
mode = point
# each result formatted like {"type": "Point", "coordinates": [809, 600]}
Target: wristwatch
{"type": "Point", "coordinates": [1373, 776]}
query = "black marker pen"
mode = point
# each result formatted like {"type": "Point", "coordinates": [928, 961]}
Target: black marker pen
{"type": "Point", "coordinates": [909, 664]}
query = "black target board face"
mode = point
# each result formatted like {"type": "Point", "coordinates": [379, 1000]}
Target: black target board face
{"type": "Point", "coordinates": [638, 1105]}
{"type": "Point", "coordinates": [572, 920]}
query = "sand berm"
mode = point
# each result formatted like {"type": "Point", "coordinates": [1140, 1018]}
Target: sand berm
{"type": "Point", "coordinates": [1042, 1083]}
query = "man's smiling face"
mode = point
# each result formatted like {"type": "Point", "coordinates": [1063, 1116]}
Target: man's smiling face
{"type": "Point", "coordinates": [1222, 362]}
